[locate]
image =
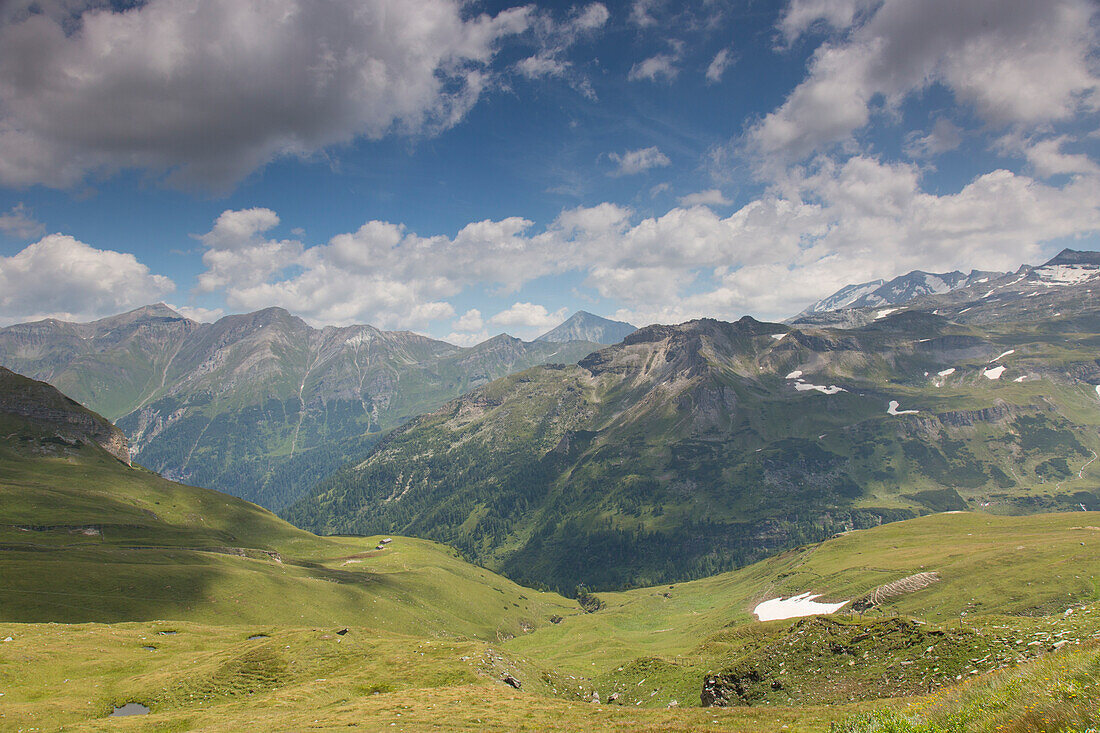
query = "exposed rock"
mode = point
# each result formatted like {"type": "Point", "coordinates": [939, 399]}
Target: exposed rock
{"type": "Point", "coordinates": [45, 407]}
{"type": "Point", "coordinates": [510, 680]}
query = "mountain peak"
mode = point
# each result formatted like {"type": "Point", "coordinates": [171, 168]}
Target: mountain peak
{"type": "Point", "coordinates": [585, 326]}
{"type": "Point", "coordinates": [1074, 257]}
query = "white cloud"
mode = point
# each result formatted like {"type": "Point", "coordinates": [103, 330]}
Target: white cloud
{"type": "Point", "coordinates": [640, 12]}
{"type": "Point", "coordinates": [531, 319]}
{"type": "Point", "coordinates": [823, 226]}
{"type": "Point", "coordinates": [556, 38]}
{"type": "Point", "coordinates": [661, 66]}
{"type": "Point", "coordinates": [61, 277]}
{"type": "Point", "coordinates": [540, 65]}
{"type": "Point", "coordinates": [212, 89]}
{"type": "Point", "coordinates": [198, 313]}
{"type": "Point", "coordinates": [718, 66]}
{"type": "Point", "coordinates": [712, 197]}
{"type": "Point", "coordinates": [237, 255]}
{"type": "Point", "coordinates": [19, 223]}
{"type": "Point", "coordinates": [1011, 61]}
{"type": "Point", "coordinates": [1047, 159]}
{"type": "Point", "coordinates": [638, 161]}
{"type": "Point", "coordinates": [802, 15]}
{"type": "Point", "coordinates": [945, 136]}
{"type": "Point", "coordinates": [466, 339]}
{"type": "Point", "coordinates": [470, 321]}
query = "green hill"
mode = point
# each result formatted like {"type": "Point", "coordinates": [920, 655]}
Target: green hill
{"type": "Point", "coordinates": [688, 450]}
{"type": "Point", "coordinates": [84, 537]}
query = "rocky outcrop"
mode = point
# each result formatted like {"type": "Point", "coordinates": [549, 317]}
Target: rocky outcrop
{"type": "Point", "coordinates": [46, 408]}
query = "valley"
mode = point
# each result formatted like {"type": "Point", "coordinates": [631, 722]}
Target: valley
{"type": "Point", "coordinates": [891, 526]}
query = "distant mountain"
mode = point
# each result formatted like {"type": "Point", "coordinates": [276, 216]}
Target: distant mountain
{"type": "Point", "coordinates": [259, 405]}
{"type": "Point", "coordinates": [688, 449]}
{"type": "Point", "coordinates": [584, 326]}
{"type": "Point", "coordinates": [1044, 290]}
{"type": "Point", "coordinates": [902, 289]}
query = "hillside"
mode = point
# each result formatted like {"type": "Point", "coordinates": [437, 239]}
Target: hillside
{"type": "Point", "coordinates": [687, 450]}
{"type": "Point", "coordinates": [83, 537]}
{"type": "Point", "coordinates": [993, 640]}
{"type": "Point", "coordinates": [213, 614]}
{"type": "Point", "coordinates": [259, 405]}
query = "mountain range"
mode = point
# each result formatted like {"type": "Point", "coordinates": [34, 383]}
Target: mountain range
{"type": "Point", "coordinates": [685, 450]}
{"type": "Point", "coordinates": [261, 405]}
{"type": "Point", "coordinates": [902, 289]}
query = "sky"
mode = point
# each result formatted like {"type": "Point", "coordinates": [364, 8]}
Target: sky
{"type": "Point", "coordinates": [465, 168]}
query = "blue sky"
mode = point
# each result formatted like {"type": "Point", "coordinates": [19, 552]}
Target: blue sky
{"type": "Point", "coordinates": [465, 168]}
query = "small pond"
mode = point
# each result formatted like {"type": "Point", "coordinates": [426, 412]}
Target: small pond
{"type": "Point", "coordinates": [130, 708]}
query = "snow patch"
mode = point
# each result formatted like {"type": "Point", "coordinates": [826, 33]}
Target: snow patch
{"type": "Point", "coordinates": [1020, 379]}
{"type": "Point", "coordinates": [795, 374]}
{"type": "Point", "coordinates": [1010, 351]}
{"type": "Point", "coordinates": [994, 373]}
{"type": "Point", "coordinates": [831, 389]}
{"type": "Point", "coordinates": [1098, 390]}
{"type": "Point", "coordinates": [777, 609]}
{"type": "Point", "coordinates": [892, 409]}
{"type": "Point", "coordinates": [778, 336]}
{"type": "Point", "coordinates": [1067, 274]}
{"type": "Point", "coordinates": [885, 312]}
{"type": "Point", "coordinates": [947, 372]}
{"type": "Point", "coordinates": [359, 339]}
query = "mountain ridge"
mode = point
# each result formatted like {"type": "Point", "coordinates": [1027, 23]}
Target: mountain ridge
{"type": "Point", "coordinates": [258, 404]}
{"type": "Point", "coordinates": [687, 449]}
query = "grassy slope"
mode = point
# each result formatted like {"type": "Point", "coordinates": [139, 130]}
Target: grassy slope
{"type": "Point", "coordinates": [988, 565]}
{"type": "Point", "coordinates": [649, 648]}
{"type": "Point", "coordinates": [215, 678]}
{"type": "Point", "coordinates": [164, 550]}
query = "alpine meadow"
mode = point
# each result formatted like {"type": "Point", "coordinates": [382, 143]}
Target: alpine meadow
{"type": "Point", "coordinates": [621, 365]}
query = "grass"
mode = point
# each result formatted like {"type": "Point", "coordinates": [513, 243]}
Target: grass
{"type": "Point", "coordinates": [1057, 694]}
{"type": "Point", "coordinates": [221, 616]}
{"type": "Point", "coordinates": [988, 564]}
{"type": "Point", "coordinates": [215, 678]}
{"type": "Point", "coordinates": [158, 549]}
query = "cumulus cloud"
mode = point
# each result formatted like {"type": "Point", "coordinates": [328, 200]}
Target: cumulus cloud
{"type": "Point", "coordinates": [528, 320]}
{"type": "Point", "coordinates": [1011, 61]}
{"type": "Point", "coordinates": [661, 66]}
{"type": "Point", "coordinates": [209, 90]}
{"type": "Point", "coordinates": [824, 226]}
{"type": "Point", "coordinates": [19, 223]}
{"type": "Point", "coordinates": [1046, 157]}
{"type": "Point", "coordinates": [469, 321]}
{"type": "Point", "coordinates": [638, 161]}
{"type": "Point", "coordinates": [718, 66]}
{"type": "Point", "coordinates": [712, 197]}
{"type": "Point", "coordinates": [61, 277]}
{"type": "Point", "coordinates": [237, 254]}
